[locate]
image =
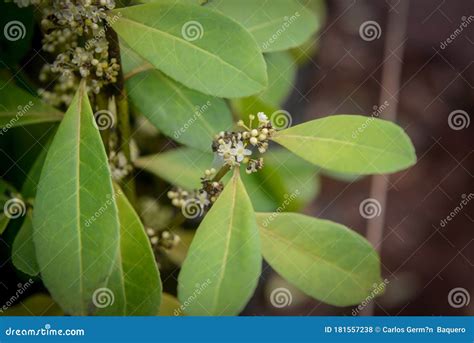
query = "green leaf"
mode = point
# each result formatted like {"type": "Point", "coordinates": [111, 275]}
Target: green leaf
{"type": "Point", "coordinates": [36, 305]}
{"type": "Point", "coordinates": [19, 108]}
{"type": "Point", "coordinates": [196, 46]}
{"type": "Point", "coordinates": [275, 24]}
{"type": "Point", "coordinates": [28, 189]}
{"type": "Point", "coordinates": [170, 306]}
{"type": "Point", "coordinates": [135, 282]}
{"type": "Point", "coordinates": [324, 259]}
{"type": "Point", "coordinates": [196, 117]}
{"type": "Point", "coordinates": [6, 193]}
{"type": "Point", "coordinates": [76, 229]}
{"type": "Point", "coordinates": [281, 75]}
{"type": "Point", "coordinates": [223, 265]}
{"type": "Point", "coordinates": [292, 181]}
{"type": "Point", "coordinates": [182, 167]}
{"type": "Point", "coordinates": [23, 249]}
{"type": "Point", "coordinates": [350, 144]}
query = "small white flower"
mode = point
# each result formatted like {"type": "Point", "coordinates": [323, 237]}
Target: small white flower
{"type": "Point", "coordinates": [202, 199]}
{"type": "Point", "coordinates": [225, 149]}
{"type": "Point", "coordinates": [262, 117]}
{"type": "Point", "coordinates": [240, 152]}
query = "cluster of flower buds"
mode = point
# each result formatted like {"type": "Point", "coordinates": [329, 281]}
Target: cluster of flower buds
{"type": "Point", "coordinates": [163, 239]}
{"type": "Point", "coordinates": [233, 147]}
{"type": "Point", "coordinates": [119, 166]}
{"type": "Point", "coordinates": [193, 204]}
{"type": "Point", "coordinates": [74, 31]}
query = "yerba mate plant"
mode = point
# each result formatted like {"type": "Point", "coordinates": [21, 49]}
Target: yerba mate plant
{"type": "Point", "coordinates": [151, 121]}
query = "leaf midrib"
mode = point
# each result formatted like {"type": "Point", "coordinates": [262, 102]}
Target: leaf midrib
{"type": "Point", "coordinates": [332, 140]}
{"type": "Point", "coordinates": [310, 254]}
{"type": "Point", "coordinates": [227, 245]}
{"type": "Point", "coordinates": [193, 46]}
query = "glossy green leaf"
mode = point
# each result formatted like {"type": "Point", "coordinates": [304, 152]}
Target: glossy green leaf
{"type": "Point", "coordinates": [76, 228]}
{"type": "Point", "coordinates": [20, 108]}
{"type": "Point", "coordinates": [223, 264]}
{"type": "Point", "coordinates": [182, 167]}
{"type": "Point", "coordinates": [350, 144]}
{"type": "Point", "coordinates": [324, 259]}
{"type": "Point", "coordinates": [275, 24]}
{"type": "Point", "coordinates": [183, 114]}
{"type": "Point", "coordinates": [23, 249]}
{"type": "Point", "coordinates": [135, 282]}
{"type": "Point", "coordinates": [196, 46]}
{"type": "Point", "coordinates": [35, 305]}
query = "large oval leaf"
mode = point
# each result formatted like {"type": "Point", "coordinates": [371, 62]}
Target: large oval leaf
{"type": "Point", "coordinates": [325, 260]}
{"type": "Point", "coordinates": [350, 144]}
{"type": "Point", "coordinates": [19, 108]}
{"type": "Point", "coordinates": [198, 47]}
{"type": "Point", "coordinates": [275, 24]}
{"type": "Point", "coordinates": [76, 228]}
{"type": "Point", "coordinates": [135, 283]}
{"type": "Point", "coordinates": [183, 114]}
{"type": "Point", "coordinates": [223, 265]}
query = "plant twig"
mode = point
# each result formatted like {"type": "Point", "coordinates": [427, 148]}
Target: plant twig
{"type": "Point", "coordinates": [391, 74]}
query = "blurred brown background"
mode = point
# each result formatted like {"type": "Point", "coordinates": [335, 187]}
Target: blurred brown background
{"type": "Point", "coordinates": [422, 260]}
